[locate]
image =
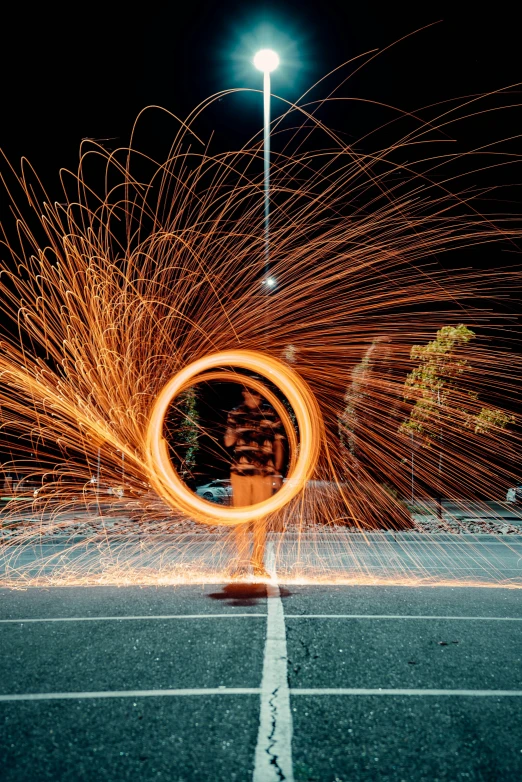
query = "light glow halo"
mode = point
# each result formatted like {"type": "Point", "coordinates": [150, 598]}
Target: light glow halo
{"type": "Point", "coordinates": [167, 482]}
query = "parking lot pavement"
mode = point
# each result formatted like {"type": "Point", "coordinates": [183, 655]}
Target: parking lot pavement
{"type": "Point", "coordinates": [203, 683]}
{"type": "Point", "coordinates": [380, 557]}
{"type": "Point", "coordinates": [133, 654]}
{"type": "Point", "coordinates": [403, 556]}
{"type": "Point", "coordinates": [163, 738]}
{"type": "Point", "coordinates": [403, 653]}
{"type": "Point", "coordinates": [145, 644]}
{"type": "Point", "coordinates": [416, 739]}
{"type": "Point", "coordinates": [70, 602]}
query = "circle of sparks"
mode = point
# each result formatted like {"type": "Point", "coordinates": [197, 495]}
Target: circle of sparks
{"type": "Point", "coordinates": [164, 477]}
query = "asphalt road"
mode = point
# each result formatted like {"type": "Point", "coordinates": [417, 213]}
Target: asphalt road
{"type": "Point", "coordinates": [418, 558]}
{"type": "Point", "coordinates": [169, 683]}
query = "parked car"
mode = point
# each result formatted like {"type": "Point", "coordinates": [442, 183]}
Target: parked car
{"type": "Point", "coordinates": [219, 491]}
{"type": "Point", "coordinates": [514, 495]}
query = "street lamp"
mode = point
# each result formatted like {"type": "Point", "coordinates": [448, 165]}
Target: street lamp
{"type": "Point", "coordinates": [267, 61]}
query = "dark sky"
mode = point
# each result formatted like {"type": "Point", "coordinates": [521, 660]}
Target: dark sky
{"type": "Point", "coordinates": [86, 69]}
{"type": "Point", "coordinates": [75, 70]}
{"type": "Point", "coordinates": [71, 71]}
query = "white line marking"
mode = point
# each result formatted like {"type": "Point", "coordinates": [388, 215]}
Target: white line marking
{"type": "Point", "coordinates": [423, 539]}
{"type": "Point", "coordinates": [404, 616]}
{"type": "Point", "coordinates": [56, 696]}
{"type": "Point", "coordinates": [269, 767]}
{"type": "Point", "coordinates": [123, 618]}
{"type": "Point", "coordinates": [273, 758]}
{"type": "Point", "coordinates": [384, 691]}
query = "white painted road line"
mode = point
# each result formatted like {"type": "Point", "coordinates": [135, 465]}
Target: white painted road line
{"type": "Point", "coordinates": [273, 758]}
{"type": "Point", "coordinates": [269, 766]}
{"type": "Point", "coordinates": [139, 618]}
{"type": "Point", "coordinates": [249, 616]}
{"type": "Point", "coordinates": [57, 696]}
{"type": "Point", "coordinates": [405, 616]}
{"type": "Point", "coordinates": [124, 618]}
{"type": "Point", "coordinates": [384, 691]}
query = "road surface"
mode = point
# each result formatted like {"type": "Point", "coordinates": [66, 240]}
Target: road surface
{"type": "Point", "coordinates": [311, 683]}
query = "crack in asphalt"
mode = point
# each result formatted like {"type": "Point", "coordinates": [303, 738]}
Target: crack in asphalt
{"type": "Point", "coordinates": [271, 741]}
{"type": "Point", "coordinates": [274, 744]}
{"type": "Point", "coordinates": [306, 656]}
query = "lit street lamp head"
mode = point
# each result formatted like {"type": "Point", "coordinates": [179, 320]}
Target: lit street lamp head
{"type": "Point", "coordinates": [266, 60]}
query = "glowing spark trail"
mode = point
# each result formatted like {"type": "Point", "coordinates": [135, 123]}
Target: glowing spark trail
{"type": "Point", "coordinates": [149, 273]}
{"type": "Point", "coordinates": [307, 413]}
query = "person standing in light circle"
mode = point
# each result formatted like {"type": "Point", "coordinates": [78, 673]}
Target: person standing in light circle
{"type": "Point", "coordinates": [256, 434]}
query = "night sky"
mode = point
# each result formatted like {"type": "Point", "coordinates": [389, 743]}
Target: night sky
{"type": "Point", "coordinates": [71, 71]}
{"type": "Point", "coordinates": [85, 71]}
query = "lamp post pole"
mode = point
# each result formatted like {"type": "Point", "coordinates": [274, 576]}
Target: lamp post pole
{"type": "Point", "coordinates": [266, 61]}
{"type": "Point", "coordinates": [266, 188]}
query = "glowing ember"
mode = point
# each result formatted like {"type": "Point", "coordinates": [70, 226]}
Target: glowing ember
{"type": "Point", "coordinates": [153, 276]}
{"type": "Point", "coordinates": [170, 486]}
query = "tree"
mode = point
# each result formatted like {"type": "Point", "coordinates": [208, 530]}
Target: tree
{"type": "Point", "coordinates": [367, 378]}
{"type": "Point", "coordinates": [354, 396]}
{"type": "Point", "coordinates": [443, 401]}
{"type": "Point", "coordinates": [367, 430]}
{"type": "Point", "coordinates": [188, 435]}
